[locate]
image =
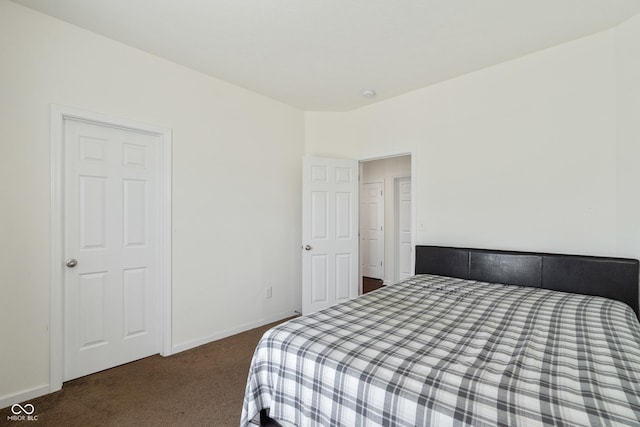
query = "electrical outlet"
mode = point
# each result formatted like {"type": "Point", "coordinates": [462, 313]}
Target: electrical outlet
{"type": "Point", "coordinates": [268, 292]}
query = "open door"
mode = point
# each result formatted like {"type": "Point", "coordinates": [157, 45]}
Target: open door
{"type": "Point", "coordinates": [329, 232]}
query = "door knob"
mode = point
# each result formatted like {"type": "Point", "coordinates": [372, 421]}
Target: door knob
{"type": "Point", "coordinates": [71, 263]}
{"type": "Point", "coordinates": [307, 248]}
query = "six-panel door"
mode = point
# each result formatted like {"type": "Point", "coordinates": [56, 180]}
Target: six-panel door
{"type": "Point", "coordinates": [329, 232]}
{"type": "Point", "coordinates": [111, 229]}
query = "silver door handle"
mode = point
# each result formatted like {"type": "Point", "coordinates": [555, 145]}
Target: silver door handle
{"type": "Point", "coordinates": [307, 248]}
{"type": "Point", "coordinates": [71, 263]}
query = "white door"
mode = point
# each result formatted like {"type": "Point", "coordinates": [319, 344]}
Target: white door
{"type": "Point", "coordinates": [403, 231]}
{"type": "Point", "coordinates": [111, 223]}
{"type": "Point", "coordinates": [371, 229]}
{"type": "Point", "coordinates": [329, 232]}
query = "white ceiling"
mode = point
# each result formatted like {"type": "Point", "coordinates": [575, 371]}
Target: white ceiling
{"type": "Point", "coordinates": [321, 54]}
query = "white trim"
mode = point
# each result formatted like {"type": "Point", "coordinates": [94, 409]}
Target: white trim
{"type": "Point", "coordinates": [385, 156]}
{"type": "Point", "coordinates": [56, 315]}
{"type": "Point", "coordinates": [56, 325]}
{"type": "Point", "coordinates": [233, 331]}
{"type": "Point", "coordinates": [414, 210]}
{"type": "Point", "coordinates": [24, 395]}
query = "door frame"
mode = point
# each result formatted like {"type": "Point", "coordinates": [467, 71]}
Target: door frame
{"type": "Point", "coordinates": [414, 222]}
{"type": "Point", "coordinates": [58, 114]}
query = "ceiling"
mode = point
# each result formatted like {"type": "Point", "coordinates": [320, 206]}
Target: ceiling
{"type": "Point", "coordinates": [321, 54]}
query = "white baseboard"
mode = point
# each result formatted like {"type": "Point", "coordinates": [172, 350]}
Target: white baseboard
{"type": "Point", "coordinates": [233, 331]}
{"type": "Point", "coordinates": [24, 395]}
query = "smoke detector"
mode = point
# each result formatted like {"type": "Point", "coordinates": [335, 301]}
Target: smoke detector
{"type": "Point", "coordinates": [368, 93]}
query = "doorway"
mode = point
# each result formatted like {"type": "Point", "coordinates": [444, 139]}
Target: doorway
{"type": "Point", "coordinates": [110, 242]}
{"type": "Point", "coordinates": [385, 214]}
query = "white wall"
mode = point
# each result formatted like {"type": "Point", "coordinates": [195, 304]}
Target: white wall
{"type": "Point", "coordinates": [628, 136]}
{"type": "Point", "coordinates": [236, 185]}
{"type": "Point", "coordinates": [386, 170]}
{"type": "Point", "coordinates": [518, 156]}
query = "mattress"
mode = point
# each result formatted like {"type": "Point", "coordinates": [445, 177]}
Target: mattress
{"type": "Point", "coordinates": [434, 350]}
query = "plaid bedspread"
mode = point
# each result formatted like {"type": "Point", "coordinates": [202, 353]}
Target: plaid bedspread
{"type": "Point", "coordinates": [437, 351]}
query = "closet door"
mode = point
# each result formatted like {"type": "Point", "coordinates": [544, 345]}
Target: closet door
{"type": "Point", "coordinates": [372, 229]}
{"type": "Point", "coordinates": [111, 282]}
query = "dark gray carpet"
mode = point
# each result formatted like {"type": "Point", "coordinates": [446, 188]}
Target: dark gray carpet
{"type": "Point", "coordinates": [199, 387]}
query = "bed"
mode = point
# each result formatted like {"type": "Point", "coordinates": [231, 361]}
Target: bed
{"type": "Point", "coordinates": [476, 337]}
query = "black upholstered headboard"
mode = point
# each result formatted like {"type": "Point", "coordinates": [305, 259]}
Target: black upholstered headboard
{"type": "Point", "coordinates": [614, 278]}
